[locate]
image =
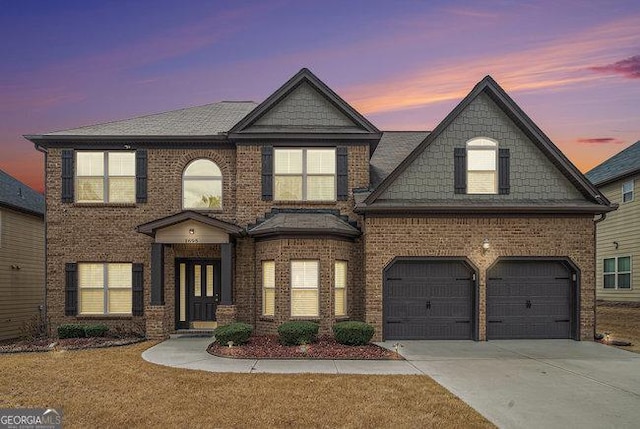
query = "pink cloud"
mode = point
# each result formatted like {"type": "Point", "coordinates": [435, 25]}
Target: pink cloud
{"type": "Point", "coordinates": [629, 68]}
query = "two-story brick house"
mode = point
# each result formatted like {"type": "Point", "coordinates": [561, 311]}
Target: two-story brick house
{"type": "Point", "coordinates": [300, 208]}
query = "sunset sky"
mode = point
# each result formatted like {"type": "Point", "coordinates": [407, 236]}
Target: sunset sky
{"type": "Point", "coordinates": [573, 66]}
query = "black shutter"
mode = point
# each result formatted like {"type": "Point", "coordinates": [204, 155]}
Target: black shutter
{"type": "Point", "coordinates": [504, 172]}
{"type": "Point", "coordinates": [342, 170]}
{"type": "Point", "coordinates": [141, 176]}
{"type": "Point", "coordinates": [67, 175]}
{"type": "Point", "coordinates": [137, 305]}
{"type": "Point", "coordinates": [71, 289]}
{"type": "Point", "coordinates": [460, 170]}
{"type": "Point", "coordinates": [267, 173]}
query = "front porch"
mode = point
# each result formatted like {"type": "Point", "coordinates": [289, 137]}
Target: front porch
{"type": "Point", "coordinates": [191, 274]}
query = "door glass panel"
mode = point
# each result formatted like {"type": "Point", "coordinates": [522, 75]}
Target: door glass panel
{"type": "Point", "coordinates": [197, 280]}
{"type": "Point", "coordinates": [209, 280]}
{"type": "Point", "coordinates": [183, 292]}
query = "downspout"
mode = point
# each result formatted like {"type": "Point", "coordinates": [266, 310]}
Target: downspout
{"type": "Point", "coordinates": [602, 217]}
{"type": "Point", "coordinates": [43, 311]}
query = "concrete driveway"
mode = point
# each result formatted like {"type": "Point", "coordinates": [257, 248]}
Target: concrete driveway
{"type": "Point", "coordinates": [536, 383]}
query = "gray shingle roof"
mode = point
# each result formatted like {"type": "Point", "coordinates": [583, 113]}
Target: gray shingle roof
{"type": "Point", "coordinates": [207, 120]}
{"type": "Point", "coordinates": [621, 164]}
{"type": "Point", "coordinates": [16, 194]}
{"type": "Point", "coordinates": [394, 146]}
{"type": "Point", "coordinates": [303, 223]}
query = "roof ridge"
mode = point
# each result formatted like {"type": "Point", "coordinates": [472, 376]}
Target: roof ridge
{"type": "Point", "coordinates": [145, 116]}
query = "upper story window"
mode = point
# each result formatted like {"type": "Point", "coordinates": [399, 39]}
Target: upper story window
{"type": "Point", "coordinates": [106, 177]}
{"type": "Point", "coordinates": [202, 186]}
{"type": "Point", "coordinates": [482, 156]}
{"type": "Point", "coordinates": [627, 191]}
{"type": "Point", "coordinates": [305, 174]}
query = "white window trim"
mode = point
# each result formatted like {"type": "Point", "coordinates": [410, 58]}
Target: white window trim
{"type": "Point", "coordinates": [304, 175]}
{"type": "Point", "coordinates": [196, 178]}
{"type": "Point", "coordinates": [291, 288]}
{"type": "Point", "coordinates": [344, 289]}
{"type": "Point", "coordinates": [105, 288]}
{"type": "Point", "coordinates": [264, 288]}
{"type": "Point", "coordinates": [471, 146]}
{"type": "Point", "coordinates": [105, 177]}
{"type": "Point", "coordinates": [632, 191]}
{"type": "Point", "coordinates": [616, 273]}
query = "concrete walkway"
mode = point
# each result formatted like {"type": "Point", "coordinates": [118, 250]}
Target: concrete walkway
{"type": "Point", "coordinates": [515, 384]}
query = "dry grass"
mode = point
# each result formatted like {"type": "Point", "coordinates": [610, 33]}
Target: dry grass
{"type": "Point", "coordinates": [117, 388]}
{"type": "Point", "coordinates": [623, 323]}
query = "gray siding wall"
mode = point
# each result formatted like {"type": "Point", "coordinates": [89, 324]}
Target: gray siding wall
{"type": "Point", "coordinates": [533, 176]}
{"type": "Point", "coordinates": [621, 226]}
{"type": "Point", "coordinates": [21, 291]}
{"type": "Point", "coordinates": [304, 107]}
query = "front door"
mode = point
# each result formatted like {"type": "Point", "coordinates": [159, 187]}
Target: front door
{"type": "Point", "coordinates": [197, 290]}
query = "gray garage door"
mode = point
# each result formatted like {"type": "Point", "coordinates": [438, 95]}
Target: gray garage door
{"type": "Point", "coordinates": [428, 299]}
{"type": "Point", "coordinates": [529, 299]}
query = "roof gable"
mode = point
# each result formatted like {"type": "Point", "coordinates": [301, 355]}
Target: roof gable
{"type": "Point", "coordinates": [620, 165]}
{"type": "Point", "coordinates": [488, 90]}
{"type": "Point", "coordinates": [304, 104]}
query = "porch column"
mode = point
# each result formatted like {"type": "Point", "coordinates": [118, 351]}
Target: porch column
{"type": "Point", "coordinates": [226, 277]}
{"type": "Point", "coordinates": [157, 274]}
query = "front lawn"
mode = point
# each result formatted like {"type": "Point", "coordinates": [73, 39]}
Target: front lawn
{"type": "Point", "coordinates": [622, 323]}
{"type": "Point", "coordinates": [116, 388]}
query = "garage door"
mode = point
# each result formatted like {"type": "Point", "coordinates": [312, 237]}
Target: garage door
{"type": "Point", "coordinates": [529, 299]}
{"type": "Point", "coordinates": [428, 299]}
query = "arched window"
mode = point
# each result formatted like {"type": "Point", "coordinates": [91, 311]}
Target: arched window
{"type": "Point", "coordinates": [482, 159]}
{"type": "Point", "coordinates": [202, 186]}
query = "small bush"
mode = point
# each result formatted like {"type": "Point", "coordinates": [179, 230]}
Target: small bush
{"type": "Point", "coordinates": [296, 333]}
{"type": "Point", "coordinates": [72, 330]}
{"type": "Point", "coordinates": [95, 330]}
{"type": "Point", "coordinates": [239, 333]}
{"type": "Point", "coordinates": [353, 333]}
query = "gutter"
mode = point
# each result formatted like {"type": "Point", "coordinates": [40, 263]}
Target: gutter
{"type": "Point", "coordinates": [43, 311]}
{"type": "Point", "coordinates": [482, 210]}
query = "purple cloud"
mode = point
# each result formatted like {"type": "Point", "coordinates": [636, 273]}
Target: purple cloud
{"type": "Point", "coordinates": [629, 68]}
{"type": "Point", "coordinates": [599, 140]}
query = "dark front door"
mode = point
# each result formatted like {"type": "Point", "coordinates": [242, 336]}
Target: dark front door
{"type": "Point", "coordinates": [428, 300]}
{"type": "Point", "coordinates": [197, 290]}
{"type": "Point", "coordinates": [529, 299]}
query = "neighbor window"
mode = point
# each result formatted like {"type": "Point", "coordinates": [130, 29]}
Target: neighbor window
{"type": "Point", "coordinates": [305, 174]}
{"type": "Point", "coordinates": [627, 191]}
{"type": "Point", "coordinates": [340, 288]}
{"type": "Point", "coordinates": [106, 177]}
{"type": "Point", "coordinates": [304, 288]}
{"type": "Point", "coordinates": [481, 166]}
{"type": "Point", "coordinates": [105, 288]}
{"type": "Point", "coordinates": [202, 186]}
{"type": "Point", "coordinates": [617, 273]}
{"type": "Point", "coordinates": [268, 288]}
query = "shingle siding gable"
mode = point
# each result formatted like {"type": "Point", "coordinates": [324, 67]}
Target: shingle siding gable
{"type": "Point", "coordinates": [304, 107]}
{"type": "Point", "coordinates": [431, 175]}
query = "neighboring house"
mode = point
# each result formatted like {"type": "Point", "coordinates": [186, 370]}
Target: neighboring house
{"type": "Point", "coordinates": [22, 258]}
{"type": "Point", "coordinates": [618, 235]}
{"type": "Point", "coordinates": [300, 208]}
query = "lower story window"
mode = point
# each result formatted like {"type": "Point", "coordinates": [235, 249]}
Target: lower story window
{"type": "Point", "coordinates": [304, 288]}
{"type": "Point", "coordinates": [340, 283]}
{"type": "Point", "coordinates": [617, 272]}
{"type": "Point", "coordinates": [105, 288]}
{"type": "Point", "coordinates": [268, 288]}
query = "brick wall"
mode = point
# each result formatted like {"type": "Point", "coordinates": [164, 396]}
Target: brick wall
{"type": "Point", "coordinates": [556, 236]}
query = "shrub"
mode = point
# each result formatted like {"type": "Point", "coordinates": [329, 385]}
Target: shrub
{"type": "Point", "coordinates": [353, 333]}
{"type": "Point", "coordinates": [72, 330]}
{"type": "Point", "coordinates": [239, 333]}
{"type": "Point", "coordinates": [95, 330]}
{"type": "Point", "coordinates": [296, 333]}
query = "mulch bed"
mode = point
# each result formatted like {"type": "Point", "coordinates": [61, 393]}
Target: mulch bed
{"type": "Point", "coordinates": [268, 347]}
{"type": "Point", "coordinates": [49, 344]}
